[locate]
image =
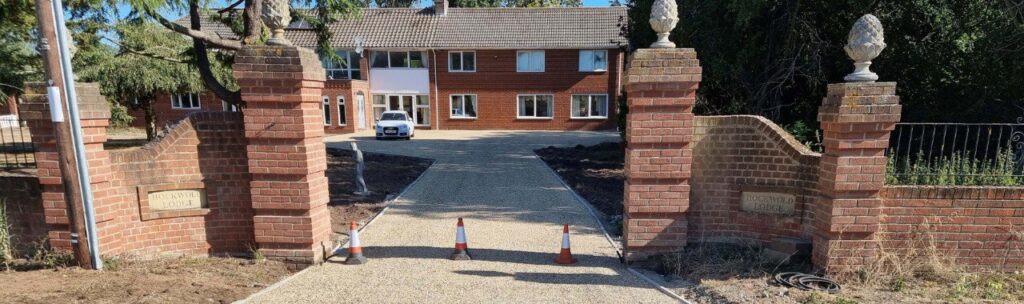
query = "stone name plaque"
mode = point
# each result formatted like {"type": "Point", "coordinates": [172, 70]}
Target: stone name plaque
{"type": "Point", "coordinates": [768, 203]}
{"type": "Point", "coordinates": [177, 199]}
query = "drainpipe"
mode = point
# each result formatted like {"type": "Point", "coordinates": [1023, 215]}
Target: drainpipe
{"type": "Point", "coordinates": [76, 134]}
{"type": "Point", "coordinates": [437, 100]}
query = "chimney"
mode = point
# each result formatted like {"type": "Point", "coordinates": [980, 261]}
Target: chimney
{"type": "Point", "coordinates": [440, 7]}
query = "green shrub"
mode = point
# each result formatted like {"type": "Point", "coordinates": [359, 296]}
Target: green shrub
{"type": "Point", "coordinates": [957, 169]}
{"type": "Point", "coordinates": [6, 250]}
{"type": "Point", "coordinates": [119, 116]}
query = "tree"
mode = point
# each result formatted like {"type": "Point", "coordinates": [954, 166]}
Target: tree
{"type": "Point", "coordinates": [149, 60]}
{"type": "Point", "coordinates": [323, 14]}
{"type": "Point", "coordinates": [20, 62]}
{"type": "Point", "coordinates": [954, 60]}
{"type": "Point", "coordinates": [515, 3]}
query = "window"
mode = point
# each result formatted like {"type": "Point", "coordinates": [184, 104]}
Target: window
{"type": "Point", "coordinates": [590, 106]}
{"type": "Point", "coordinates": [530, 61]}
{"type": "Point", "coordinates": [185, 101]}
{"type": "Point", "coordinates": [342, 119]}
{"type": "Point", "coordinates": [593, 60]}
{"type": "Point", "coordinates": [463, 106]}
{"type": "Point", "coordinates": [422, 116]}
{"type": "Point", "coordinates": [536, 106]}
{"type": "Point", "coordinates": [462, 61]}
{"type": "Point", "coordinates": [379, 106]}
{"type": "Point", "coordinates": [346, 66]}
{"type": "Point", "coordinates": [230, 107]}
{"type": "Point", "coordinates": [327, 111]}
{"type": "Point", "coordinates": [398, 59]}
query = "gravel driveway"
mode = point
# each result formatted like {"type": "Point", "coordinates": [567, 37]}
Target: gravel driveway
{"type": "Point", "coordinates": [514, 208]}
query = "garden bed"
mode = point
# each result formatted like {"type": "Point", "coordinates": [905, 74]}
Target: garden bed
{"type": "Point", "coordinates": [385, 175]}
{"type": "Point", "coordinates": [596, 174]}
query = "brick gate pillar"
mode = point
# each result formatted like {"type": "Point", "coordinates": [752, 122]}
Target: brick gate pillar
{"type": "Point", "coordinates": [94, 117]}
{"type": "Point", "coordinates": [282, 86]}
{"type": "Point", "coordinates": [661, 86]}
{"type": "Point", "coordinates": [856, 120]}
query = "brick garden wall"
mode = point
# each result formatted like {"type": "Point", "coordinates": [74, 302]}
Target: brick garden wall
{"type": "Point", "coordinates": [21, 196]}
{"type": "Point", "coordinates": [747, 153]}
{"type": "Point", "coordinates": [978, 227]}
{"type": "Point", "coordinates": [205, 150]}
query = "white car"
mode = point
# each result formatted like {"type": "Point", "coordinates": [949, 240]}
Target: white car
{"type": "Point", "coordinates": [395, 124]}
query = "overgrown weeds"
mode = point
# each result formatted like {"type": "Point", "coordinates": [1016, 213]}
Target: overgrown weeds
{"type": "Point", "coordinates": [958, 169]}
{"type": "Point", "coordinates": [43, 256]}
{"type": "Point", "coordinates": [720, 260]}
{"type": "Point", "coordinates": [6, 249]}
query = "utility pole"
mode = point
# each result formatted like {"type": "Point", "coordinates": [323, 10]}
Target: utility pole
{"type": "Point", "coordinates": [65, 148]}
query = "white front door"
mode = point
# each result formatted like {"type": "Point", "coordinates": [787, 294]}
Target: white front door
{"type": "Point", "coordinates": [360, 111]}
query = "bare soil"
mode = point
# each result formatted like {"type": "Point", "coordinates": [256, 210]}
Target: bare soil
{"type": "Point", "coordinates": [717, 273]}
{"type": "Point", "coordinates": [127, 280]}
{"type": "Point", "coordinates": [385, 175]}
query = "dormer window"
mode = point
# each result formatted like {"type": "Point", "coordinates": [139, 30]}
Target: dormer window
{"type": "Point", "coordinates": [346, 66]}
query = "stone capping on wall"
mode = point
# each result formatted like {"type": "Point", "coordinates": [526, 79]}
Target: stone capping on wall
{"type": "Point", "coordinates": [166, 139]}
{"type": "Point", "coordinates": [790, 145]}
{"type": "Point", "coordinates": [953, 192]}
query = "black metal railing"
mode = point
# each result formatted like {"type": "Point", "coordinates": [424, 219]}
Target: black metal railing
{"type": "Point", "coordinates": [16, 147]}
{"type": "Point", "coordinates": [956, 154]}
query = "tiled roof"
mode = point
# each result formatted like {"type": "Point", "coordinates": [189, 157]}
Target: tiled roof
{"type": "Point", "coordinates": [470, 28]}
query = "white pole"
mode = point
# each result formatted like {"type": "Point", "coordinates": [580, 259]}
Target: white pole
{"type": "Point", "coordinates": [76, 134]}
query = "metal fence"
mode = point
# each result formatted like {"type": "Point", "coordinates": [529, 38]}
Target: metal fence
{"type": "Point", "coordinates": [16, 148]}
{"type": "Point", "coordinates": [957, 154]}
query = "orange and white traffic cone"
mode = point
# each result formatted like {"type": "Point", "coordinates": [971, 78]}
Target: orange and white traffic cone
{"type": "Point", "coordinates": [565, 257]}
{"type": "Point", "coordinates": [355, 250]}
{"type": "Point", "coordinates": [461, 249]}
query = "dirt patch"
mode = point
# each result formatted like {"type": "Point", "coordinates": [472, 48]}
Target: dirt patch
{"type": "Point", "coordinates": [596, 173]}
{"type": "Point", "coordinates": [385, 175]}
{"type": "Point", "coordinates": [166, 280]}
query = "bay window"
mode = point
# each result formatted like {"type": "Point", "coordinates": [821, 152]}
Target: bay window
{"type": "Point", "coordinates": [346, 66]}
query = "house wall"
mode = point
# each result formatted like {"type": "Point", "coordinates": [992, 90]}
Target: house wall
{"type": "Point", "coordinates": [497, 84]}
{"type": "Point", "coordinates": [165, 114]}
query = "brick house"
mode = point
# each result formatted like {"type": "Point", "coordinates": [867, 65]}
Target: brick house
{"type": "Point", "coordinates": [461, 68]}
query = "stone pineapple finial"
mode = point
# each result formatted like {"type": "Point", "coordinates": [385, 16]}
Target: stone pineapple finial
{"type": "Point", "coordinates": [865, 42]}
{"type": "Point", "coordinates": [664, 17]}
{"type": "Point", "coordinates": [276, 16]}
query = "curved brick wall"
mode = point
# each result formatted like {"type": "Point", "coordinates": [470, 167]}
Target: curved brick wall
{"type": "Point", "coordinates": [205, 149]}
{"type": "Point", "coordinates": [732, 154]}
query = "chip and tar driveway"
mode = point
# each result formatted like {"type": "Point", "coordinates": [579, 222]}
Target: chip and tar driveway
{"type": "Point", "coordinates": [513, 206]}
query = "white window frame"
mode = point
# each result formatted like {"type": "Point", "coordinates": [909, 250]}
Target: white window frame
{"type": "Point", "coordinates": [475, 106]}
{"type": "Point", "coordinates": [590, 104]}
{"type": "Point", "coordinates": [462, 62]}
{"type": "Point", "coordinates": [551, 107]}
{"type": "Point", "coordinates": [327, 112]}
{"type": "Point", "coordinates": [589, 56]}
{"type": "Point", "coordinates": [194, 103]}
{"type": "Point", "coordinates": [530, 62]}
{"type": "Point", "coordinates": [229, 108]}
{"type": "Point", "coordinates": [349, 56]}
{"type": "Point", "coordinates": [342, 120]}
{"type": "Point", "coordinates": [408, 54]}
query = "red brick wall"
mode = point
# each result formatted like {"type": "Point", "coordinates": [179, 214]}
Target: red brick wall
{"type": "Point", "coordinates": [747, 153]}
{"type": "Point", "coordinates": [348, 90]}
{"type": "Point", "coordinates": [496, 84]}
{"type": "Point", "coordinates": [977, 227]}
{"type": "Point", "coordinates": [206, 150]}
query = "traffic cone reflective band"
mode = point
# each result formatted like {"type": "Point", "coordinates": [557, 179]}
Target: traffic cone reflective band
{"type": "Point", "coordinates": [461, 249]}
{"type": "Point", "coordinates": [355, 250]}
{"type": "Point", "coordinates": [565, 257]}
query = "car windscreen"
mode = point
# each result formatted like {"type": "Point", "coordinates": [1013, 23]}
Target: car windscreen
{"type": "Point", "coordinates": [392, 116]}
